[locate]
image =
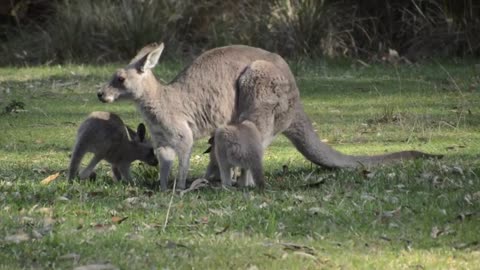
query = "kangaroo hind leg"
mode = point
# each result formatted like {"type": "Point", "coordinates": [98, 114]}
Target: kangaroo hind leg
{"type": "Point", "coordinates": [89, 170]}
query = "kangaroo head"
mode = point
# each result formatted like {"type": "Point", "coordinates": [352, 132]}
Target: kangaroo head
{"type": "Point", "coordinates": [142, 146]}
{"type": "Point", "coordinates": [139, 135]}
{"type": "Point", "coordinates": [131, 81]}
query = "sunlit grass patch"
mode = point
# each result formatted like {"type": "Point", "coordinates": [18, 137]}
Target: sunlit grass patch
{"type": "Point", "coordinates": [416, 214]}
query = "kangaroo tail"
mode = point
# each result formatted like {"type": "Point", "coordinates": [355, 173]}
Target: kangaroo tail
{"type": "Point", "coordinates": [302, 135]}
{"type": "Point", "coordinates": [77, 155]}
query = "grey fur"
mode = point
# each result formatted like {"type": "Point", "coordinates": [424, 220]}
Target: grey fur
{"type": "Point", "coordinates": [105, 135]}
{"type": "Point", "coordinates": [225, 85]}
{"type": "Point", "coordinates": [213, 169]}
{"type": "Point", "coordinates": [239, 145]}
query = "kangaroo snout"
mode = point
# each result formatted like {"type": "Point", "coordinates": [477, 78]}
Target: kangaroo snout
{"type": "Point", "coordinates": [153, 162]}
{"type": "Point", "coordinates": [151, 159]}
{"type": "Point", "coordinates": [100, 96]}
{"type": "Point", "coordinates": [104, 96]}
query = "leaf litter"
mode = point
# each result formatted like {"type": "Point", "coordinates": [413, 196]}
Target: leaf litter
{"type": "Point", "coordinates": [97, 266]}
{"type": "Point", "coordinates": [17, 238]}
{"type": "Point", "coordinates": [302, 251]}
{"type": "Point", "coordinates": [70, 256]}
{"type": "Point", "coordinates": [196, 185]}
{"type": "Point", "coordinates": [118, 220]}
{"type": "Point", "coordinates": [438, 231]}
{"type": "Point", "coordinates": [49, 178]}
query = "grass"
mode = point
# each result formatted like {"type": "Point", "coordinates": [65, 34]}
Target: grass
{"type": "Point", "coordinates": [415, 215]}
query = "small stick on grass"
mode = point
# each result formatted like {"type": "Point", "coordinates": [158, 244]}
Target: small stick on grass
{"type": "Point", "coordinates": [170, 205]}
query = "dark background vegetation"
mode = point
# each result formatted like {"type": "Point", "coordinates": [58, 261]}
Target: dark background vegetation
{"type": "Point", "coordinates": [59, 31]}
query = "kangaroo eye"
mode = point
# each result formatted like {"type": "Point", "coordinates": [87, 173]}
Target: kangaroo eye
{"type": "Point", "coordinates": [120, 79]}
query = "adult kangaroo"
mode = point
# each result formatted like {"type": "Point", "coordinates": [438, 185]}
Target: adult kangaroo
{"type": "Point", "coordinates": [224, 85]}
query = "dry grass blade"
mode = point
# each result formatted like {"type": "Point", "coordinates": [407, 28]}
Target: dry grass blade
{"type": "Point", "coordinates": [169, 205]}
{"type": "Point", "coordinates": [298, 247]}
{"type": "Point", "coordinates": [70, 256]}
{"type": "Point", "coordinates": [17, 238]}
{"type": "Point", "coordinates": [106, 266]}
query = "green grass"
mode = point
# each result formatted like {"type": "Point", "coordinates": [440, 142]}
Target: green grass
{"type": "Point", "coordinates": [415, 215]}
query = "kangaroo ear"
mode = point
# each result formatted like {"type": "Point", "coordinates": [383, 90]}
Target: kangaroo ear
{"type": "Point", "coordinates": [209, 149]}
{"type": "Point", "coordinates": [141, 131]}
{"type": "Point", "coordinates": [211, 140]}
{"type": "Point", "coordinates": [131, 133]}
{"type": "Point", "coordinates": [151, 59]}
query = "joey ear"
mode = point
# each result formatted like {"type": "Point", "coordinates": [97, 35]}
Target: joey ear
{"type": "Point", "coordinates": [209, 149]}
{"type": "Point", "coordinates": [141, 131]}
{"type": "Point", "coordinates": [150, 60]}
{"type": "Point", "coordinates": [131, 133]}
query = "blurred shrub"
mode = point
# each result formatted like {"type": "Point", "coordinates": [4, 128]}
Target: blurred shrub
{"type": "Point", "coordinates": [113, 30]}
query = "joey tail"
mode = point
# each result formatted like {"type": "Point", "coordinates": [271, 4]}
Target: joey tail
{"type": "Point", "coordinates": [302, 135]}
{"type": "Point", "coordinates": [77, 155]}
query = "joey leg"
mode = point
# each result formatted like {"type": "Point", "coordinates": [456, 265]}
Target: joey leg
{"type": "Point", "coordinates": [246, 179]}
{"type": "Point", "coordinates": [212, 172]}
{"type": "Point", "coordinates": [85, 173]}
{"type": "Point", "coordinates": [226, 174]}
{"type": "Point", "coordinates": [93, 176]}
{"type": "Point", "coordinates": [242, 180]}
{"type": "Point", "coordinates": [124, 171]}
{"type": "Point", "coordinates": [116, 173]}
{"type": "Point", "coordinates": [250, 181]}
{"type": "Point", "coordinates": [224, 165]}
